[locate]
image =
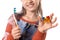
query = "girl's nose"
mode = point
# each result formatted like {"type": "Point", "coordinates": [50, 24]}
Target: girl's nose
{"type": "Point", "coordinates": [30, 1]}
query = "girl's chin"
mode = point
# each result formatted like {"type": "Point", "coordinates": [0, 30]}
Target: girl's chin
{"type": "Point", "coordinates": [31, 9]}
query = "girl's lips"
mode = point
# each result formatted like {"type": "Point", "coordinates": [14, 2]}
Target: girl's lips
{"type": "Point", "coordinates": [30, 5]}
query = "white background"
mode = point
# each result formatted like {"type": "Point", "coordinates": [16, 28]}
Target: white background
{"type": "Point", "coordinates": [48, 6]}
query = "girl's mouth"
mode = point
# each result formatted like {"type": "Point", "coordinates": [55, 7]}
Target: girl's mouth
{"type": "Point", "coordinates": [30, 5]}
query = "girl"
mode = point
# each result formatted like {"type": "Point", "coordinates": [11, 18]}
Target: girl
{"type": "Point", "coordinates": [30, 26]}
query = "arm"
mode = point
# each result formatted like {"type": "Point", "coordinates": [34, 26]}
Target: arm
{"type": "Point", "coordinates": [12, 32]}
{"type": "Point", "coordinates": [39, 36]}
{"type": "Point", "coordinates": [8, 35]}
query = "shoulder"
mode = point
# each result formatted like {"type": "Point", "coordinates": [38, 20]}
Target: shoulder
{"type": "Point", "coordinates": [14, 17]}
{"type": "Point", "coordinates": [10, 19]}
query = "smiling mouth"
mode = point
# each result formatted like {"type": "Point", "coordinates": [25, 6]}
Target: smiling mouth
{"type": "Point", "coordinates": [30, 5]}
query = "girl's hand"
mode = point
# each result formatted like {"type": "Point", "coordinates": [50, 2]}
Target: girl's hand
{"type": "Point", "coordinates": [43, 27]}
{"type": "Point", "coordinates": [16, 33]}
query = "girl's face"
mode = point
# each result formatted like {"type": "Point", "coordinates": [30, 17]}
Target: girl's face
{"type": "Point", "coordinates": [30, 5]}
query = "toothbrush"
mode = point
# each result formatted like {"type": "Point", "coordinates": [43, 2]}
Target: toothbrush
{"type": "Point", "coordinates": [15, 18]}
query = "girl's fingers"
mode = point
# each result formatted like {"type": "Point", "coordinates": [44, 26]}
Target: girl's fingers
{"type": "Point", "coordinates": [51, 16]}
{"type": "Point", "coordinates": [40, 21]}
{"type": "Point", "coordinates": [17, 34]}
{"type": "Point", "coordinates": [16, 28]}
{"type": "Point", "coordinates": [54, 25]}
{"type": "Point", "coordinates": [54, 20]}
{"type": "Point", "coordinates": [17, 31]}
{"type": "Point", "coordinates": [39, 18]}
